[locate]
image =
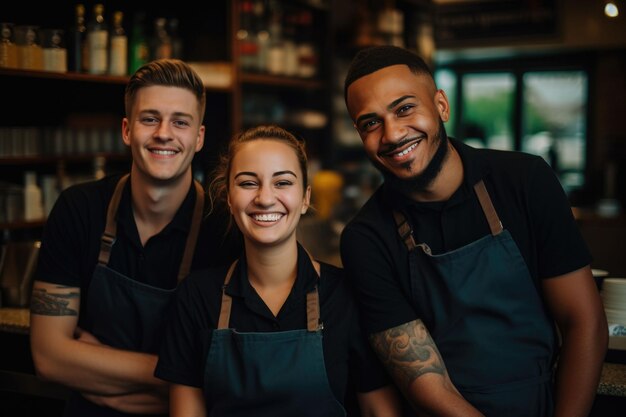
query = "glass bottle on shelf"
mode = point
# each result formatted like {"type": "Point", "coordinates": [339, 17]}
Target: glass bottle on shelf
{"type": "Point", "coordinates": [118, 51]}
{"type": "Point", "coordinates": [276, 49]}
{"type": "Point", "coordinates": [8, 49]}
{"type": "Point", "coordinates": [262, 35]}
{"type": "Point", "coordinates": [307, 52]}
{"type": "Point", "coordinates": [29, 52]}
{"type": "Point", "coordinates": [289, 42]}
{"type": "Point", "coordinates": [139, 48]}
{"type": "Point", "coordinates": [79, 60]}
{"type": "Point", "coordinates": [54, 51]}
{"type": "Point", "coordinates": [161, 41]}
{"type": "Point", "coordinates": [177, 41]}
{"type": "Point", "coordinates": [97, 41]}
{"type": "Point", "coordinates": [246, 37]}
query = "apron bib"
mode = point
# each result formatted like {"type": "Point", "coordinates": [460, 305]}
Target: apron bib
{"type": "Point", "coordinates": [124, 313]}
{"type": "Point", "coordinates": [268, 374]}
{"type": "Point", "coordinates": [487, 318]}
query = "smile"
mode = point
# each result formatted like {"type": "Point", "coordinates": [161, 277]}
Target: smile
{"type": "Point", "coordinates": [269, 217]}
{"type": "Point", "coordinates": [395, 154]}
{"type": "Point", "coordinates": [163, 152]}
{"type": "Point", "coordinates": [407, 150]}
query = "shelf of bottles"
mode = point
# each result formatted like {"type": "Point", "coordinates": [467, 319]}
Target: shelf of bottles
{"type": "Point", "coordinates": [96, 44]}
{"type": "Point", "coordinates": [277, 39]}
{"type": "Point", "coordinates": [277, 47]}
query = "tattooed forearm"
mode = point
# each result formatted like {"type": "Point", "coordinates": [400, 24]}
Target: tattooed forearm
{"type": "Point", "coordinates": [52, 304]}
{"type": "Point", "coordinates": [408, 351]}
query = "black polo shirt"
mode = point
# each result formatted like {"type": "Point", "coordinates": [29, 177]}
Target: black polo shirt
{"type": "Point", "coordinates": [71, 239]}
{"type": "Point", "coordinates": [347, 354]}
{"type": "Point", "coordinates": [527, 197]}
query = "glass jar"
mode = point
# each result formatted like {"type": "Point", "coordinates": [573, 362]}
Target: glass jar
{"type": "Point", "coordinates": [29, 51]}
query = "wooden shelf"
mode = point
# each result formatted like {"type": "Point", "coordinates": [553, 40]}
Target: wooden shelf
{"type": "Point", "coordinates": [21, 224]}
{"type": "Point", "coordinates": [283, 82]}
{"type": "Point", "coordinates": [69, 76]}
{"type": "Point", "coordinates": [30, 160]}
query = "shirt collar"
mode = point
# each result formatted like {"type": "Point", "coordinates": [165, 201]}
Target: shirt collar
{"type": "Point", "coordinates": [306, 278]}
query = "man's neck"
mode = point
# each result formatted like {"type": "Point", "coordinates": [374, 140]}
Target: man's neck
{"type": "Point", "coordinates": [155, 203]}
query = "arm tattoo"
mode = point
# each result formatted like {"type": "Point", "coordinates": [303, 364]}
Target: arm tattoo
{"type": "Point", "coordinates": [408, 351]}
{"type": "Point", "coordinates": [52, 304]}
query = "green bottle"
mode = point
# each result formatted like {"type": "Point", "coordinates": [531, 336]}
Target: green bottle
{"type": "Point", "coordinates": [139, 49]}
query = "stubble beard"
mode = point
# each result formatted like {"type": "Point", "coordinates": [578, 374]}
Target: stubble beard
{"type": "Point", "coordinates": [420, 182]}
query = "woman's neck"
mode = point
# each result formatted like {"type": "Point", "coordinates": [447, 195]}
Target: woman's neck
{"type": "Point", "coordinates": [272, 272]}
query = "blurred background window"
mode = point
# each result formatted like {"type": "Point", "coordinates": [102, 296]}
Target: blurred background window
{"type": "Point", "coordinates": [539, 112]}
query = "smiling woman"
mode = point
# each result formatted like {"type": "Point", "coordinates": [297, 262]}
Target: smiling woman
{"type": "Point", "coordinates": [263, 317]}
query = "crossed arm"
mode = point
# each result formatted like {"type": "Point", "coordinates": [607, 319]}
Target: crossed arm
{"type": "Point", "coordinates": [411, 357]}
{"type": "Point", "coordinates": [107, 376]}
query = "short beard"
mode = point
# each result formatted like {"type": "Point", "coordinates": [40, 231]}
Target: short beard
{"type": "Point", "coordinates": [422, 181]}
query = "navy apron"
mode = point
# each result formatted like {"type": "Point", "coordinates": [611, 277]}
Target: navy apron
{"type": "Point", "coordinates": [487, 319]}
{"type": "Point", "coordinates": [269, 374]}
{"type": "Point", "coordinates": [124, 313]}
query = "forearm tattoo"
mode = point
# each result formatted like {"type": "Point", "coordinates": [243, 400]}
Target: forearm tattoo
{"type": "Point", "coordinates": [408, 351]}
{"type": "Point", "coordinates": [52, 303]}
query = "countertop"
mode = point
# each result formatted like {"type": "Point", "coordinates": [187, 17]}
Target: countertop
{"type": "Point", "coordinates": [612, 381]}
{"type": "Point", "coordinates": [14, 320]}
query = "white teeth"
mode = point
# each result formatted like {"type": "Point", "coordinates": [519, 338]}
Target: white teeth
{"type": "Point", "coordinates": [272, 217]}
{"type": "Point", "coordinates": [407, 150]}
{"type": "Point", "coordinates": [162, 152]}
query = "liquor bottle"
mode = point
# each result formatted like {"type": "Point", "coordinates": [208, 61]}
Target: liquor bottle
{"type": "Point", "coordinates": [29, 51]}
{"type": "Point", "coordinates": [97, 41]}
{"type": "Point", "coordinates": [276, 48]}
{"type": "Point", "coordinates": [161, 45]}
{"type": "Point", "coordinates": [8, 49]}
{"type": "Point", "coordinates": [139, 48]}
{"type": "Point", "coordinates": [118, 51]}
{"type": "Point", "coordinates": [289, 42]}
{"type": "Point", "coordinates": [78, 61]}
{"type": "Point", "coordinates": [33, 203]}
{"type": "Point", "coordinates": [54, 51]}
{"type": "Point", "coordinates": [307, 52]}
{"type": "Point", "coordinates": [246, 37]}
{"type": "Point", "coordinates": [177, 41]}
{"type": "Point", "coordinates": [262, 35]}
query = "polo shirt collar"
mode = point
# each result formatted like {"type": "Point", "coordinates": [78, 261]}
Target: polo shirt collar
{"type": "Point", "coordinates": [306, 279]}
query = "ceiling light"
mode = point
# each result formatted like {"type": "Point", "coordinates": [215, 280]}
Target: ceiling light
{"type": "Point", "coordinates": [610, 9]}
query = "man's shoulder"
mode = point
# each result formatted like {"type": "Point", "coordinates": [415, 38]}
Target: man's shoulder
{"type": "Point", "coordinates": [95, 192]}
{"type": "Point", "coordinates": [374, 218]}
{"type": "Point", "coordinates": [503, 166]}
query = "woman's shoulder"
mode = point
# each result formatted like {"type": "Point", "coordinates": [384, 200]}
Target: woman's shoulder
{"type": "Point", "coordinates": [331, 274]}
{"type": "Point", "coordinates": [205, 278]}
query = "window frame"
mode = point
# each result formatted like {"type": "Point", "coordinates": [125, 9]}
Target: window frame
{"type": "Point", "coordinates": [517, 66]}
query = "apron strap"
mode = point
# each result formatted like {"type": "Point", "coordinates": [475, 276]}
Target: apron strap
{"type": "Point", "coordinates": [227, 301]}
{"type": "Point", "coordinates": [404, 230]}
{"type": "Point", "coordinates": [313, 322]}
{"type": "Point", "coordinates": [109, 236]}
{"type": "Point", "coordinates": [192, 236]}
{"type": "Point", "coordinates": [490, 212]}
